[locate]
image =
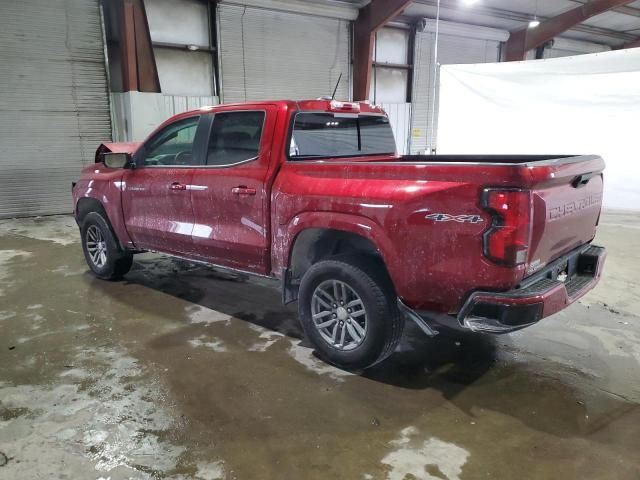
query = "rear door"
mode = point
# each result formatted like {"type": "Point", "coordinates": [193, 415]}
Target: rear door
{"type": "Point", "coordinates": [156, 194]}
{"type": "Point", "coordinates": [229, 194]}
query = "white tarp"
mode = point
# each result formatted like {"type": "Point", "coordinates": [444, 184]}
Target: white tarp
{"type": "Point", "coordinates": [587, 104]}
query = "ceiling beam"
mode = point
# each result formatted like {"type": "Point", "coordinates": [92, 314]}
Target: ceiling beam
{"type": "Point", "coordinates": [525, 39]}
{"type": "Point", "coordinates": [450, 8]}
{"type": "Point", "coordinates": [139, 70]}
{"type": "Point", "coordinates": [631, 11]}
{"type": "Point", "coordinates": [634, 44]}
{"type": "Point", "coordinates": [371, 18]}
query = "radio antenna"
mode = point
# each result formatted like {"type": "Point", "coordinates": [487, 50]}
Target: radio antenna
{"type": "Point", "coordinates": [336, 89]}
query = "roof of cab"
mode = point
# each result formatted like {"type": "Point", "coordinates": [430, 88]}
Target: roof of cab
{"type": "Point", "coordinates": [321, 105]}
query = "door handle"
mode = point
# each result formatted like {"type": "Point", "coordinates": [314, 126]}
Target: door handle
{"type": "Point", "coordinates": [582, 180]}
{"type": "Point", "coordinates": [177, 186]}
{"type": "Point", "coordinates": [242, 190]}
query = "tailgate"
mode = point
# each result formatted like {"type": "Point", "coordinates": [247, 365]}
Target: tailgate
{"type": "Point", "coordinates": [567, 198]}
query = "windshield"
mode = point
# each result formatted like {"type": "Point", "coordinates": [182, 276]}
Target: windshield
{"type": "Point", "coordinates": [340, 135]}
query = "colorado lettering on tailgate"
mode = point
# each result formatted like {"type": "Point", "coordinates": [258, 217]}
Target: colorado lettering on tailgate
{"type": "Point", "coordinates": [572, 207]}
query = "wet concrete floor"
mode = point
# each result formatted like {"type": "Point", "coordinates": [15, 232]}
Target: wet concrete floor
{"type": "Point", "coordinates": [183, 372]}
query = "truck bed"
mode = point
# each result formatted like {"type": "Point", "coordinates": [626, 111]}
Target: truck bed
{"type": "Point", "coordinates": [498, 159]}
{"type": "Point", "coordinates": [398, 195]}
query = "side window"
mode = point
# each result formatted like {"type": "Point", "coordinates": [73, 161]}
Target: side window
{"type": "Point", "coordinates": [172, 146]}
{"type": "Point", "coordinates": [235, 137]}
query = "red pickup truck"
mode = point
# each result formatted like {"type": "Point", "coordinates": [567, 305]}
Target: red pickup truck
{"type": "Point", "coordinates": [312, 193]}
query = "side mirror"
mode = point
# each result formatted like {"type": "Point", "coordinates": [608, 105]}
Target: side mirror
{"type": "Point", "coordinates": [117, 160]}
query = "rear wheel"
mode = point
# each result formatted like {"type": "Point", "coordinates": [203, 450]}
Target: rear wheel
{"type": "Point", "coordinates": [348, 311]}
{"type": "Point", "coordinates": [101, 249]}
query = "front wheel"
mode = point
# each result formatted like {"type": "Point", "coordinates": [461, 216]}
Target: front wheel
{"type": "Point", "coordinates": [348, 311]}
{"type": "Point", "coordinates": [101, 249]}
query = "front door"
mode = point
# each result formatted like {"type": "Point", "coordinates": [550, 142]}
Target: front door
{"type": "Point", "coordinates": [156, 194]}
{"type": "Point", "coordinates": [229, 195]}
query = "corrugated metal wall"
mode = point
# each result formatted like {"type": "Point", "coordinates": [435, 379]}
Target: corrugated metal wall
{"type": "Point", "coordinates": [54, 106]}
{"type": "Point", "coordinates": [564, 48]}
{"type": "Point", "coordinates": [400, 119]}
{"type": "Point", "coordinates": [267, 54]}
{"type": "Point", "coordinates": [451, 50]}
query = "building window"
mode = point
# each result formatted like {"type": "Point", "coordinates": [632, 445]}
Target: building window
{"type": "Point", "coordinates": [391, 71]}
{"type": "Point", "coordinates": [182, 34]}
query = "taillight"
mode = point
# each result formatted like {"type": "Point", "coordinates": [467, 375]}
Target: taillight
{"type": "Point", "coordinates": [507, 241]}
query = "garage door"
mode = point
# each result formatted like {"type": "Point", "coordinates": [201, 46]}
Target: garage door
{"type": "Point", "coordinates": [457, 44]}
{"type": "Point", "coordinates": [267, 54]}
{"type": "Point", "coordinates": [54, 107]}
{"type": "Point", "coordinates": [565, 47]}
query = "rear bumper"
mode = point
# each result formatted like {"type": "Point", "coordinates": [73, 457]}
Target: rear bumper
{"type": "Point", "coordinates": [538, 298]}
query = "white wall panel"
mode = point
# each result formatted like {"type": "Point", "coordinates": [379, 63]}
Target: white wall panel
{"type": "Point", "coordinates": [392, 46]}
{"type": "Point", "coordinates": [389, 85]}
{"type": "Point", "coordinates": [183, 72]}
{"type": "Point", "coordinates": [184, 22]}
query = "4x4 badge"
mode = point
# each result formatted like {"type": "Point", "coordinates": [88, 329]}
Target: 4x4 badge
{"type": "Point", "coordinates": [445, 217]}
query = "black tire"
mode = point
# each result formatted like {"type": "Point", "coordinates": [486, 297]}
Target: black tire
{"type": "Point", "coordinates": [116, 261]}
{"type": "Point", "coordinates": [368, 279]}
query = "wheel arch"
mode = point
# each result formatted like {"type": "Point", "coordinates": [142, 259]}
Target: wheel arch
{"type": "Point", "coordinates": [86, 205]}
{"type": "Point", "coordinates": [316, 241]}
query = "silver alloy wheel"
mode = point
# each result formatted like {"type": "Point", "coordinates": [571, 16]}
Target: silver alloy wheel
{"type": "Point", "coordinates": [339, 315]}
{"type": "Point", "coordinates": [96, 246]}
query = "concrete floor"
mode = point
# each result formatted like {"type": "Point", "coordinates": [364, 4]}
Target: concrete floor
{"type": "Point", "coordinates": [184, 372]}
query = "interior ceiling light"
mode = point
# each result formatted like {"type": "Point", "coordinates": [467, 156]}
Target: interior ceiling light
{"type": "Point", "coordinates": [535, 23]}
{"type": "Point", "coordinates": [469, 2]}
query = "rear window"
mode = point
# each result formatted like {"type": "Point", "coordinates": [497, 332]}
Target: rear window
{"type": "Point", "coordinates": [325, 135]}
